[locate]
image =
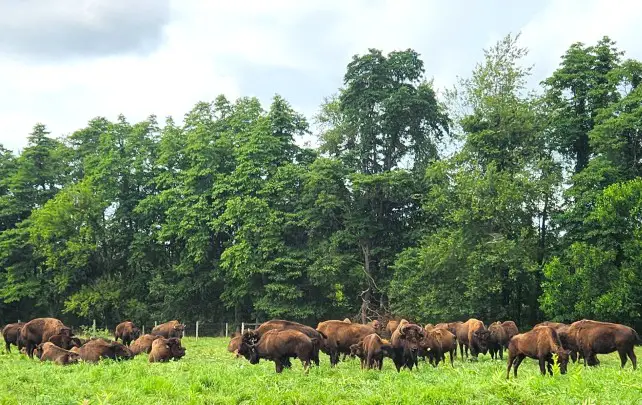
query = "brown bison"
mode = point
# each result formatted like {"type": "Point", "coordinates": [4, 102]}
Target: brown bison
{"type": "Point", "coordinates": [405, 341]}
{"type": "Point", "coordinates": [497, 340]}
{"type": "Point", "coordinates": [376, 325]}
{"type": "Point", "coordinates": [97, 349]}
{"type": "Point", "coordinates": [540, 343]}
{"type": "Point", "coordinates": [11, 335]}
{"type": "Point", "coordinates": [444, 342]}
{"type": "Point", "coordinates": [127, 332]}
{"type": "Point", "coordinates": [50, 352]}
{"type": "Point", "coordinates": [143, 344]}
{"type": "Point", "coordinates": [277, 345]}
{"type": "Point", "coordinates": [318, 338]}
{"type": "Point", "coordinates": [233, 346]}
{"type": "Point", "coordinates": [452, 327]}
{"type": "Point", "coordinates": [356, 350]}
{"type": "Point", "coordinates": [39, 330]}
{"type": "Point", "coordinates": [169, 329]}
{"type": "Point", "coordinates": [374, 349]}
{"type": "Point", "coordinates": [164, 350]}
{"type": "Point", "coordinates": [430, 347]}
{"type": "Point", "coordinates": [392, 326]}
{"type": "Point", "coordinates": [591, 338]}
{"type": "Point", "coordinates": [339, 336]}
{"type": "Point", "coordinates": [65, 342]}
{"type": "Point", "coordinates": [511, 330]}
{"type": "Point", "coordinates": [562, 332]}
{"type": "Point", "coordinates": [473, 335]}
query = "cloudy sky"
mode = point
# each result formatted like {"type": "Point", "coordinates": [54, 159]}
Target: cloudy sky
{"type": "Point", "coordinates": [63, 62]}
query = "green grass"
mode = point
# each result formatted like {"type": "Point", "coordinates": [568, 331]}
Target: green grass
{"type": "Point", "coordinates": [208, 374]}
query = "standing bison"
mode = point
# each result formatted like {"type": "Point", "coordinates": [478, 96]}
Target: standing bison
{"type": "Point", "coordinates": [511, 330]}
{"type": "Point", "coordinates": [11, 335]}
{"type": "Point", "coordinates": [39, 330]}
{"type": "Point", "coordinates": [497, 340]}
{"type": "Point", "coordinates": [473, 335]}
{"type": "Point", "coordinates": [278, 346]}
{"type": "Point", "coordinates": [540, 343]}
{"type": "Point", "coordinates": [340, 336]}
{"type": "Point", "coordinates": [405, 341]}
{"type": "Point", "coordinates": [169, 329]}
{"type": "Point", "coordinates": [318, 338]}
{"type": "Point", "coordinates": [127, 332]}
{"type": "Point", "coordinates": [593, 337]}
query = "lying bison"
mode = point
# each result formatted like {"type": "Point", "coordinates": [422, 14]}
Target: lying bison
{"type": "Point", "coordinates": [50, 352]}
{"type": "Point", "coordinates": [169, 329]}
{"type": "Point", "coordinates": [164, 350]}
{"type": "Point", "coordinates": [39, 330]}
{"type": "Point", "coordinates": [339, 336]}
{"type": "Point", "coordinates": [143, 344]}
{"type": "Point", "coordinates": [277, 345]}
{"type": "Point", "coordinates": [592, 338]}
{"type": "Point", "coordinates": [11, 335]}
{"type": "Point", "coordinates": [127, 332]}
{"type": "Point", "coordinates": [233, 346]}
{"type": "Point", "coordinates": [318, 338]}
{"type": "Point", "coordinates": [97, 349]}
{"type": "Point", "coordinates": [540, 343]}
{"type": "Point", "coordinates": [405, 341]}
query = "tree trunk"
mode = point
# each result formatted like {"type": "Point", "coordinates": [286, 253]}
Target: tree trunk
{"type": "Point", "coordinates": [365, 296]}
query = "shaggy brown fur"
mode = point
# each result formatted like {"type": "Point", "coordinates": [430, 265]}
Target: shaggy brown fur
{"type": "Point", "coordinates": [540, 343]}
{"type": "Point", "coordinates": [340, 336]}
{"type": "Point", "coordinates": [317, 337]}
{"type": "Point", "coordinates": [405, 341]}
{"type": "Point", "coordinates": [511, 330]}
{"type": "Point", "coordinates": [277, 345]}
{"type": "Point", "coordinates": [65, 342]}
{"type": "Point", "coordinates": [473, 335]}
{"type": "Point", "coordinates": [169, 329]}
{"type": "Point", "coordinates": [497, 340]}
{"type": "Point", "coordinates": [11, 335]}
{"type": "Point", "coordinates": [39, 330]}
{"type": "Point", "coordinates": [143, 344]}
{"type": "Point", "coordinates": [50, 352]}
{"type": "Point", "coordinates": [593, 337]}
{"type": "Point", "coordinates": [164, 350]}
{"type": "Point", "coordinates": [127, 332]}
{"type": "Point", "coordinates": [97, 349]}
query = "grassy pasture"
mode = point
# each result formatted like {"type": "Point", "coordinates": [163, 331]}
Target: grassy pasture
{"type": "Point", "coordinates": [208, 374]}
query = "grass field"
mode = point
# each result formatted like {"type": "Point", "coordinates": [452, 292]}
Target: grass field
{"type": "Point", "coordinates": [208, 374]}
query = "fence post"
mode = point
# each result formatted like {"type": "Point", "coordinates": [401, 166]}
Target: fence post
{"type": "Point", "coordinates": [225, 329]}
{"type": "Point", "coordinates": [143, 329]}
{"type": "Point", "coordinates": [183, 334]}
{"type": "Point", "coordinates": [242, 327]}
{"type": "Point", "coordinates": [197, 331]}
{"type": "Point", "coordinates": [155, 324]}
{"type": "Point", "coordinates": [93, 327]}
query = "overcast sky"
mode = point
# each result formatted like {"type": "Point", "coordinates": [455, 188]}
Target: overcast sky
{"type": "Point", "coordinates": [64, 62]}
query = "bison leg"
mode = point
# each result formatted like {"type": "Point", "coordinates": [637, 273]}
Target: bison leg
{"type": "Point", "coordinates": [7, 346]}
{"type": "Point", "coordinates": [542, 365]}
{"type": "Point", "coordinates": [501, 353]}
{"type": "Point", "coordinates": [509, 365]}
{"type": "Point", "coordinates": [279, 366]}
{"type": "Point", "coordinates": [30, 347]}
{"type": "Point", "coordinates": [518, 360]}
{"type": "Point", "coordinates": [452, 356]}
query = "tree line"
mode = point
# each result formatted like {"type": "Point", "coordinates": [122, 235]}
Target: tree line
{"type": "Point", "coordinates": [491, 199]}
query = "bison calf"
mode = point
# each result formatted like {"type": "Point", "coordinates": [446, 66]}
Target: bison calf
{"type": "Point", "coordinates": [375, 349]}
{"type": "Point", "coordinates": [164, 350]}
{"type": "Point", "coordinates": [540, 343]}
{"type": "Point", "coordinates": [50, 352]}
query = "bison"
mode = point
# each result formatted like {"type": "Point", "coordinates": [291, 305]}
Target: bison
{"type": "Point", "coordinates": [11, 335]}
{"type": "Point", "coordinates": [562, 332]}
{"type": "Point", "coordinates": [233, 346]}
{"type": "Point", "coordinates": [452, 327]}
{"type": "Point", "coordinates": [376, 325]}
{"type": "Point", "coordinates": [340, 336]}
{"type": "Point", "coordinates": [164, 350]}
{"type": "Point", "coordinates": [143, 344]}
{"type": "Point", "coordinates": [591, 338]}
{"type": "Point", "coordinates": [375, 349]}
{"type": "Point", "coordinates": [473, 335]}
{"type": "Point", "coordinates": [277, 345]}
{"type": "Point", "coordinates": [392, 326]}
{"type": "Point", "coordinates": [356, 350]}
{"type": "Point", "coordinates": [511, 330]}
{"type": "Point", "coordinates": [497, 340]}
{"type": "Point", "coordinates": [39, 330]}
{"type": "Point", "coordinates": [50, 352]}
{"type": "Point", "coordinates": [540, 343]}
{"type": "Point", "coordinates": [445, 342]}
{"type": "Point", "coordinates": [97, 349]}
{"type": "Point", "coordinates": [169, 329]}
{"type": "Point", "coordinates": [279, 324]}
{"type": "Point", "coordinates": [65, 342]}
{"type": "Point", "coordinates": [127, 332]}
{"type": "Point", "coordinates": [405, 341]}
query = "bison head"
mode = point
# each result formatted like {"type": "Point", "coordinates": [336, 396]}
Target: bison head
{"type": "Point", "coordinates": [413, 335]}
{"type": "Point", "coordinates": [356, 350]}
{"type": "Point", "coordinates": [482, 336]}
{"type": "Point", "coordinates": [175, 348]}
{"type": "Point", "coordinates": [135, 333]}
{"type": "Point", "coordinates": [376, 325]}
{"type": "Point", "coordinates": [247, 348]}
{"type": "Point", "coordinates": [180, 327]}
{"type": "Point", "coordinates": [65, 331]}
{"type": "Point", "coordinates": [120, 351]}
{"type": "Point", "coordinates": [562, 359]}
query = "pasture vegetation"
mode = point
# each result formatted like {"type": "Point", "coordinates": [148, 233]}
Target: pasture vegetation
{"type": "Point", "coordinates": [209, 374]}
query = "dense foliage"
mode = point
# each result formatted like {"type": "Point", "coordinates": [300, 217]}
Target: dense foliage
{"type": "Point", "coordinates": [497, 201]}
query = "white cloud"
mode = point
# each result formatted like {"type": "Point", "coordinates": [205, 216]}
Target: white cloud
{"type": "Point", "coordinates": [210, 47]}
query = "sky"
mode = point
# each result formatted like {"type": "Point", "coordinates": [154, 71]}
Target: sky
{"type": "Point", "coordinates": [65, 62]}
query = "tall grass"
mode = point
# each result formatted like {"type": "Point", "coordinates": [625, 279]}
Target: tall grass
{"type": "Point", "coordinates": [208, 374]}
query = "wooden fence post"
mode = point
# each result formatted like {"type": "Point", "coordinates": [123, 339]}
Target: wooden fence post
{"type": "Point", "coordinates": [93, 327]}
{"type": "Point", "coordinates": [143, 329]}
{"type": "Point", "coordinates": [225, 329]}
{"type": "Point", "coordinates": [197, 331]}
{"type": "Point", "coordinates": [242, 327]}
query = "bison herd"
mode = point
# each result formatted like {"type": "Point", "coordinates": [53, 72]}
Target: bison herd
{"type": "Point", "coordinates": [50, 340]}
{"type": "Point", "coordinates": [405, 343]}
{"type": "Point", "coordinates": [401, 341]}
